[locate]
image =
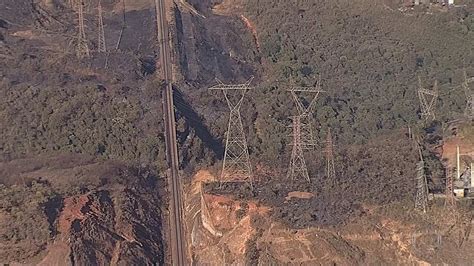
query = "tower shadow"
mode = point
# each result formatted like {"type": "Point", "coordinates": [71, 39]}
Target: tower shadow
{"type": "Point", "coordinates": [195, 122]}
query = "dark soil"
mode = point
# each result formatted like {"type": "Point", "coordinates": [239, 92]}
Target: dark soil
{"type": "Point", "coordinates": [383, 175]}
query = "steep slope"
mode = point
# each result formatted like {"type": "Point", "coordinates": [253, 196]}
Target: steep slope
{"type": "Point", "coordinates": [72, 210]}
{"type": "Point", "coordinates": [369, 55]}
{"type": "Point", "coordinates": [228, 229]}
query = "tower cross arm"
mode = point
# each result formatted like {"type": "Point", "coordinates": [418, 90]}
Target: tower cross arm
{"type": "Point", "coordinates": [306, 89]}
{"type": "Point", "coordinates": [425, 91]}
{"type": "Point", "coordinates": [222, 86]}
{"type": "Point", "coordinates": [230, 87]}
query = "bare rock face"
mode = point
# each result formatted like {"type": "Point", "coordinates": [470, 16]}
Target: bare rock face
{"type": "Point", "coordinates": [247, 234]}
{"type": "Point", "coordinates": [110, 232]}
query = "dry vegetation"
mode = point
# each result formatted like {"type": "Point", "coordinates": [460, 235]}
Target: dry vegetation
{"type": "Point", "coordinates": [368, 54]}
{"type": "Point", "coordinates": [369, 57]}
{"type": "Point", "coordinates": [100, 208]}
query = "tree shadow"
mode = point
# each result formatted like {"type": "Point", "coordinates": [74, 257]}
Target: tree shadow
{"type": "Point", "coordinates": [196, 122]}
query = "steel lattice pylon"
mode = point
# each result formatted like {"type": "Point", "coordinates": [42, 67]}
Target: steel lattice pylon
{"type": "Point", "coordinates": [330, 166]}
{"type": "Point", "coordinates": [450, 200]}
{"type": "Point", "coordinates": [305, 112]}
{"type": "Point", "coordinates": [236, 165]}
{"type": "Point", "coordinates": [101, 47]}
{"type": "Point", "coordinates": [421, 196]}
{"type": "Point", "coordinates": [72, 3]}
{"type": "Point", "coordinates": [82, 49]}
{"type": "Point", "coordinates": [297, 167]}
{"type": "Point", "coordinates": [428, 100]}
{"type": "Point", "coordinates": [303, 138]}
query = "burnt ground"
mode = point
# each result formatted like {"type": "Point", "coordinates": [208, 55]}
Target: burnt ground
{"type": "Point", "coordinates": [40, 45]}
{"type": "Point", "coordinates": [370, 57]}
{"type": "Point", "coordinates": [368, 175]}
{"type": "Point", "coordinates": [216, 47]}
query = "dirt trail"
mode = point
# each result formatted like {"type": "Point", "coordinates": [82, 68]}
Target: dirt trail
{"type": "Point", "coordinates": [252, 29]}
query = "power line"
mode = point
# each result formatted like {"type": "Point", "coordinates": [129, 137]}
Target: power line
{"type": "Point", "coordinates": [469, 112]}
{"type": "Point", "coordinates": [427, 100]}
{"type": "Point", "coordinates": [421, 196]}
{"type": "Point", "coordinates": [450, 200]}
{"type": "Point", "coordinates": [298, 167]}
{"type": "Point", "coordinates": [305, 100]}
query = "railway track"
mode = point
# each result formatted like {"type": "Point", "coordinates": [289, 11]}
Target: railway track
{"type": "Point", "coordinates": [177, 237]}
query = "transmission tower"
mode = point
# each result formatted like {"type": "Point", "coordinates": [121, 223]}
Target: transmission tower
{"type": "Point", "coordinates": [421, 197]}
{"type": "Point", "coordinates": [450, 200]}
{"type": "Point", "coordinates": [469, 95]}
{"type": "Point", "coordinates": [82, 49]}
{"type": "Point", "coordinates": [330, 167]}
{"type": "Point", "coordinates": [236, 165]}
{"type": "Point", "coordinates": [305, 100]}
{"type": "Point", "coordinates": [428, 100]}
{"type": "Point", "coordinates": [303, 138]}
{"type": "Point", "coordinates": [298, 167]}
{"type": "Point", "coordinates": [72, 3]}
{"type": "Point", "coordinates": [101, 47]}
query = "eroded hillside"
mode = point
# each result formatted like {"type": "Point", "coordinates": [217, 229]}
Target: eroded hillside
{"type": "Point", "coordinates": [237, 229]}
{"type": "Point", "coordinates": [73, 210]}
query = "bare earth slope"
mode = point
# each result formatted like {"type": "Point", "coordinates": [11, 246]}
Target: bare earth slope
{"type": "Point", "coordinates": [69, 210]}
